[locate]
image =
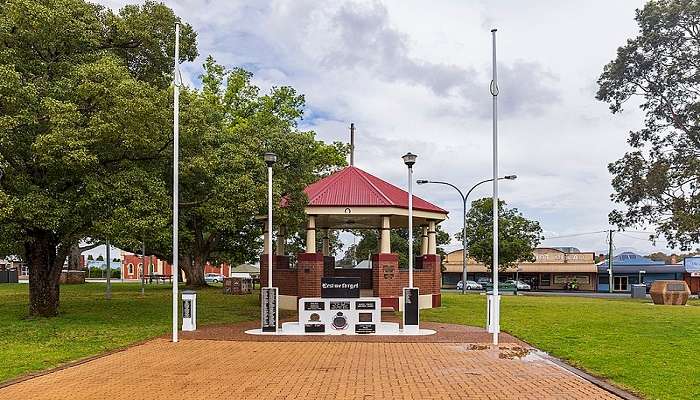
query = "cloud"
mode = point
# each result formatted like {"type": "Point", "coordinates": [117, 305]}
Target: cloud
{"type": "Point", "coordinates": [416, 78]}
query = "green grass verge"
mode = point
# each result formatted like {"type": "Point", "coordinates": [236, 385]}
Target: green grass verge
{"type": "Point", "coordinates": [89, 324]}
{"type": "Point", "coordinates": [651, 350]}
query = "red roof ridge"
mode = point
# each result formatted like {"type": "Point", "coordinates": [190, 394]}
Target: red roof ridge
{"type": "Point", "coordinates": [376, 189]}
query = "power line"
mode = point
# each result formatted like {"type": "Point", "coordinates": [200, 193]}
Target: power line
{"type": "Point", "coordinates": [574, 235]}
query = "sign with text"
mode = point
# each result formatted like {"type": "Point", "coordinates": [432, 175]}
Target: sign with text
{"type": "Point", "coordinates": [692, 264]}
{"type": "Point", "coordinates": [340, 288]}
{"type": "Point", "coordinates": [410, 306]}
{"type": "Point", "coordinates": [268, 309]}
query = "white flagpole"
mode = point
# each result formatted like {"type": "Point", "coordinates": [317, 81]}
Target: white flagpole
{"type": "Point", "coordinates": [176, 161]}
{"type": "Point", "coordinates": [494, 265]}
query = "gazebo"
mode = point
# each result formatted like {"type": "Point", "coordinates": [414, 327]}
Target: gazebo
{"type": "Point", "coordinates": [354, 199]}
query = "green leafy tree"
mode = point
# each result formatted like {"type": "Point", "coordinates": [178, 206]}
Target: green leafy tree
{"type": "Point", "coordinates": [369, 243]}
{"type": "Point", "coordinates": [517, 235]}
{"type": "Point", "coordinates": [226, 126]}
{"type": "Point", "coordinates": [658, 181]}
{"type": "Point", "coordinates": [84, 109]}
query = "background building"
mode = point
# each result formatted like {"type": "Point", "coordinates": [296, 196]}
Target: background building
{"type": "Point", "coordinates": [553, 269]}
{"type": "Point", "coordinates": [631, 268]}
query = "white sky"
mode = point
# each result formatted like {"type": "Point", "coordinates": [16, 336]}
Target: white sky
{"type": "Point", "coordinates": [414, 76]}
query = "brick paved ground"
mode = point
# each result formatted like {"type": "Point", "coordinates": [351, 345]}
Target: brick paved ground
{"type": "Point", "coordinates": [209, 369]}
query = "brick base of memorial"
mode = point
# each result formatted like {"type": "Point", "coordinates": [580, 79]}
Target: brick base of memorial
{"type": "Point", "coordinates": [456, 363]}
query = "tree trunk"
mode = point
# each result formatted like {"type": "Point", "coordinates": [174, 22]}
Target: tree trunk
{"type": "Point", "coordinates": [74, 257]}
{"type": "Point", "coordinates": [44, 273]}
{"type": "Point", "coordinates": [194, 271]}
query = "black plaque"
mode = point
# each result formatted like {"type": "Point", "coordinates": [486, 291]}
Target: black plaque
{"type": "Point", "coordinates": [364, 329]}
{"type": "Point", "coordinates": [314, 305]}
{"type": "Point", "coordinates": [186, 309]}
{"type": "Point", "coordinates": [365, 305]}
{"type": "Point", "coordinates": [364, 316]}
{"type": "Point", "coordinates": [340, 288]}
{"type": "Point", "coordinates": [410, 306]}
{"type": "Point", "coordinates": [314, 328]}
{"type": "Point", "coordinates": [340, 305]}
{"type": "Point", "coordinates": [269, 309]}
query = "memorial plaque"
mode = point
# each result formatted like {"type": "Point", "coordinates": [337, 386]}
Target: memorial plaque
{"type": "Point", "coordinates": [340, 288]}
{"type": "Point", "coordinates": [340, 305]}
{"type": "Point", "coordinates": [388, 271]}
{"type": "Point", "coordinates": [314, 306]}
{"type": "Point", "coordinates": [364, 317]}
{"type": "Point", "coordinates": [269, 309]}
{"type": "Point", "coordinates": [410, 310]}
{"type": "Point", "coordinates": [365, 305]}
{"type": "Point", "coordinates": [314, 328]}
{"type": "Point", "coordinates": [365, 328]}
{"type": "Point", "coordinates": [186, 309]}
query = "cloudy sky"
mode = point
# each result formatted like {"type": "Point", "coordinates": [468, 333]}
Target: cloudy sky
{"type": "Point", "coordinates": [414, 75]}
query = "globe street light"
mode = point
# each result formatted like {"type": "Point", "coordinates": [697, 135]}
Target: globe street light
{"type": "Point", "coordinates": [410, 294]}
{"type": "Point", "coordinates": [409, 159]}
{"type": "Point", "coordinates": [464, 218]}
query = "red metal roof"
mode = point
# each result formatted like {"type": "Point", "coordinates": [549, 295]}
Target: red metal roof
{"type": "Point", "coordinates": [352, 186]}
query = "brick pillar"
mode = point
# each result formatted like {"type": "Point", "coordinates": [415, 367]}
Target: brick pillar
{"type": "Point", "coordinates": [386, 279]}
{"type": "Point", "coordinates": [309, 274]}
{"type": "Point", "coordinates": [431, 262]}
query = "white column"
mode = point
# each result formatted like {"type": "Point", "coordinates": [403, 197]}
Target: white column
{"type": "Point", "coordinates": [311, 235]}
{"type": "Point", "coordinates": [385, 235]}
{"type": "Point", "coordinates": [326, 243]}
{"type": "Point", "coordinates": [424, 240]}
{"type": "Point", "coordinates": [432, 239]}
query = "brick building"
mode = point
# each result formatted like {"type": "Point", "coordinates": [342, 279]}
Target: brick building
{"type": "Point", "coordinates": [353, 198]}
{"type": "Point", "coordinates": [132, 266]}
{"type": "Point", "coordinates": [551, 270]}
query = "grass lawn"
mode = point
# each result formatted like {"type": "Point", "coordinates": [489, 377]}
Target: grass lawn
{"type": "Point", "coordinates": [651, 350]}
{"type": "Point", "coordinates": [90, 325]}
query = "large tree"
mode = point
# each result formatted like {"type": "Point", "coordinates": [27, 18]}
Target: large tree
{"type": "Point", "coordinates": [658, 180]}
{"type": "Point", "coordinates": [226, 126]}
{"type": "Point", "coordinates": [84, 111]}
{"type": "Point", "coordinates": [517, 235]}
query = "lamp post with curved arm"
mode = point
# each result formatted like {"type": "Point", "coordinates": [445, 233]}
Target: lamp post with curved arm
{"type": "Point", "coordinates": [464, 218]}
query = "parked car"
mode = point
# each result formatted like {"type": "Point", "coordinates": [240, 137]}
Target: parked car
{"type": "Point", "coordinates": [213, 278]}
{"type": "Point", "coordinates": [471, 285]}
{"type": "Point", "coordinates": [519, 284]}
{"type": "Point", "coordinates": [482, 281]}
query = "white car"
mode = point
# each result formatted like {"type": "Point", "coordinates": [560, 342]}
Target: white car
{"type": "Point", "coordinates": [519, 284]}
{"type": "Point", "coordinates": [471, 285]}
{"type": "Point", "coordinates": [213, 278]}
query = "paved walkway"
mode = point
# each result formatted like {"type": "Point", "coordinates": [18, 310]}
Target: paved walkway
{"type": "Point", "coordinates": [231, 369]}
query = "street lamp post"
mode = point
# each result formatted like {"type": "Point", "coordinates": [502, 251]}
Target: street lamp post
{"type": "Point", "coordinates": [410, 294]}
{"type": "Point", "coordinates": [270, 160]}
{"type": "Point", "coordinates": [269, 310]}
{"type": "Point", "coordinates": [464, 218]}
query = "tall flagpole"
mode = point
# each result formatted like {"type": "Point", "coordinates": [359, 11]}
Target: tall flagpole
{"type": "Point", "coordinates": [176, 178]}
{"type": "Point", "coordinates": [494, 265]}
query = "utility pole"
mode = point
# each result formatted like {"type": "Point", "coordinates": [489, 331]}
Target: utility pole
{"type": "Point", "coordinates": [352, 143]}
{"type": "Point", "coordinates": [610, 261]}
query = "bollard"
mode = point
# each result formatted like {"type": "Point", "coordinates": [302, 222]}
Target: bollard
{"type": "Point", "coordinates": [189, 310]}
